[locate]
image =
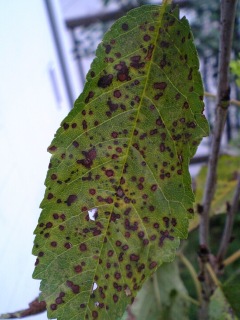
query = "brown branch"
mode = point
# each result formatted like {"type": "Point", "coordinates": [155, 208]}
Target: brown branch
{"type": "Point", "coordinates": [229, 224]}
{"type": "Point", "coordinates": [228, 10]}
{"type": "Point", "coordinates": [35, 307]}
{"type": "Point", "coordinates": [212, 95]}
{"type": "Point", "coordinates": [92, 19]}
{"type": "Point", "coordinates": [86, 21]}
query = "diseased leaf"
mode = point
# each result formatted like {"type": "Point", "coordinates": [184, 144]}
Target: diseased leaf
{"type": "Point", "coordinates": [118, 191]}
{"type": "Point", "coordinates": [162, 297]}
{"type": "Point", "coordinates": [225, 187]}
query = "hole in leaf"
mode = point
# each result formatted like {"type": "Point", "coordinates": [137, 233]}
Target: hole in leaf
{"type": "Point", "coordinates": [127, 292]}
{"type": "Point", "coordinates": [94, 287]}
{"type": "Point", "coordinates": [93, 214]}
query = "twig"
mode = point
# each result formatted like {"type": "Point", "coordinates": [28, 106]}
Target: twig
{"type": "Point", "coordinates": [156, 290]}
{"type": "Point", "coordinates": [213, 275]}
{"type": "Point", "coordinates": [229, 224]}
{"type": "Point", "coordinates": [193, 274]}
{"type": "Point", "coordinates": [190, 299]}
{"type": "Point", "coordinates": [232, 258]}
{"type": "Point", "coordinates": [228, 10]}
{"type": "Point", "coordinates": [35, 307]}
{"type": "Point", "coordinates": [232, 101]}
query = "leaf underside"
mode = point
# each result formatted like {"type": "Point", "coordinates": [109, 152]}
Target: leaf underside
{"type": "Point", "coordinates": [118, 191]}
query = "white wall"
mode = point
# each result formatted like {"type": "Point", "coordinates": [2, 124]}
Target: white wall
{"type": "Point", "coordinates": [29, 117]}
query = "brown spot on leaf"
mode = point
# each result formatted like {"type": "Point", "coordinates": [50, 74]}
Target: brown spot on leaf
{"type": "Point", "coordinates": [90, 95]}
{"type": "Point", "coordinates": [115, 298]}
{"type": "Point", "coordinates": [110, 253]}
{"type": "Point", "coordinates": [78, 269]}
{"type": "Point", "coordinates": [164, 44]}
{"type": "Point", "coordinates": [67, 245]}
{"type": "Point", "coordinates": [109, 173]}
{"type": "Point", "coordinates": [152, 265]}
{"type": "Point", "coordinates": [92, 192]}
{"type": "Point", "coordinates": [135, 62]}
{"type": "Point", "coordinates": [89, 157]}
{"type": "Point", "coordinates": [75, 144]}
{"type": "Point", "coordinates": [112, 106]}
{"type": "Point", "coordinates": [134, 257]}
{"type": "Point", "coordinates": [53, 306]}
{"type": "Point", "coordinates": [149, 52]}
{"type": "Point", "coordinates": [94, 314]}
{"type": "Point", "coordinates": [65, 126]}
{"type": "Point", "coordinates": [120, 192]}
{"type": "Point", "coordinates": [146, 37]}
{"type": "Point", "coordinates": [53, 244]}
{"type": "Point", "coordinates": [164, 235]}
{"type": "Point", "coordinates": [108, 48]}
{"type": "Point", "coordinates": [163, 62]}
{"type": "Point", "coordinates": [125, 26]}
{"type": "Point", "coordinates": [177, 96]}
{"type": "Point", "coordinates": [190, 74]}
{"type": "Point", "coordinates": [160, 85]}
{"type": "Point", "coordinates": [162, 147]}
{"type": "Point", "coordinates": [71, 199]}
{"type": "Point", "coordinates": [52, 149]}
{"type": "Point", "coordinates": [117, 93]}
{"type": "Point", "coordinates": [83, 247]}
{"type": "Point", "coordinates": [53, 176]}
{"type": "Point", "coordinates": [166, 221]}
{"type": "Point", "coordinates": [123, 71]}
{"type": "Point", "coordinates": [105, 81]}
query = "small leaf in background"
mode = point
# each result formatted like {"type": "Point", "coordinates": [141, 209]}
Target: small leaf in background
{"type": "Point", "coordinates": [219, 307]}
{"type": "Point", "coordinates": [162, 297]}
{"type": "Point", "coordinates": [235, 69]}
{"type": "Point", "coordinates": [231, 290]}
{"type": "Point", "coordinates": [118, 190]}
{"type": "Point", "coordinates": [226, 184]}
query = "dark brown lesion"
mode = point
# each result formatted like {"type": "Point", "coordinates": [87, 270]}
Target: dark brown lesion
{"type": "Point", "coordinates": [89, 155]}
{"type": "Point", "coordinates": [105, 81]}
{"type": "Point", "coordinates": [90, 95]}
{"type": "Point", "coordinates": [71, 199]}
{"type": "Point", "coordinates": [125, 26]}
{"type": "Point", "coordinates": [122, 71]}
{"type": "Point", "coordinates": [136, 62]}
{"type": "Point", "coordinates": [165, 235]}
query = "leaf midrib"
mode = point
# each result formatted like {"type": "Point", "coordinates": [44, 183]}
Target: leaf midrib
{"type": "Point", "coordinates": [162, 10]}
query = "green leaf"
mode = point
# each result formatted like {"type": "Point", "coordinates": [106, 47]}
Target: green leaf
{"type": "Point", "coordinates": [225, 186]}
{"type": "Point", "coordinates": [118, 191]}
{"type": "Point", "coordinates": [231, 290]}
{"type": "Point", "coordinates": [162, 297]}
{"type": "Point", "coordinates": [235, 69]}
{"type": "Point", "coordinates": [219, 308]}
